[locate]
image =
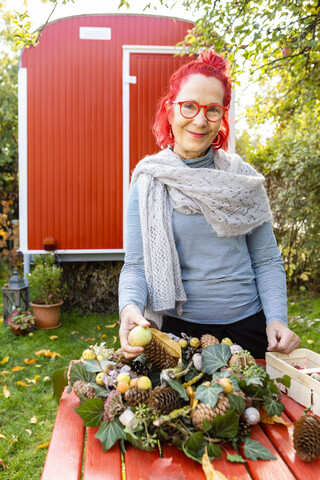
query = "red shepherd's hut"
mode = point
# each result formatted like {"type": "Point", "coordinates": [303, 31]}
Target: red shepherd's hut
{"type": "Point", "coordinates": [87, 98]}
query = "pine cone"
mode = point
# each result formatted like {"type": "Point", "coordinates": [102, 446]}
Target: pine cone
{"type": "Point", "coordinates": [164, 400]}
{"type": "Point", "coordinates": [204, 411]}
{"type": "Point", "coordinates": [140, 368]}
{"type": "Point", "coordinates": [207, 340]}
{"type": "Point", "coordinates": [134, 396]}
{"type": "Point", "coordinates": [306, 438]}
{"type": "Point", "coordinates": [80, 387]}
{"type": "Point", "coordinates": [244, 430]}
{"type": "Point", "coordinates": [190, 351]}
{"type": "Point", "coordinates": [239, 393]}
{"type": "Point", "coordinates": [159, 356]}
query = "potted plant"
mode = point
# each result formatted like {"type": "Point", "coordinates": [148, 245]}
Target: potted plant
{"type": "Point", "coordinates": [46, 290]}
{"type": "Point", "coordinates": [21, 321]}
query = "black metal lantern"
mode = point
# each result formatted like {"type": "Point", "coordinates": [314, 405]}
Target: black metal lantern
{"type": "Point", "coordinates": [15, 295]}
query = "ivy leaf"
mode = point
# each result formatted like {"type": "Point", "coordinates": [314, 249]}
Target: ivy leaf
{"type": "Point", "coordinates": [225, 426]}
{"type": "Point", "coordinates": [285, 380]}
{"type": "Point", "coordinates": [254, 450]}
{"type": "Point", "coordinates": [60, 381]}
{"type": "Point", "coordinates": [91, 412]}
{"type": "Point", "coordinates": [110, 433]}
{"type": "Point", "coordinates": [214, 451]}
{"type": "Point", "coordinates": [272, 406]}
{"type": "Point", "coordinates": [237, 403]}
{"type": "Point", "coordinates": [92, 366]}
{"type": "Point", "coordinates": [79, 372]}
{"type": "Point", "coordinates": [254, 381]}
{"type": "Point", "coordinates": [193, 447]}
{"type": "Point", "coordinates": [209, 394]}
{"type": "Point", "coordinates": [100, 389]}
{"type": "Point", "coordinates": [178, 388]}
{"type": "Point", "coordinates": [215, 357]}
{"type": "Point", "coordinates": [235, 458]}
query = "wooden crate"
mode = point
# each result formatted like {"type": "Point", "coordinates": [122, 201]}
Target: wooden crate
{"type": "Point", "coordinates": [304, 389]}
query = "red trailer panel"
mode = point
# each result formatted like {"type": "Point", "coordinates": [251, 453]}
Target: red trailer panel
{"type": "Point", "coordinates": [75, 165]}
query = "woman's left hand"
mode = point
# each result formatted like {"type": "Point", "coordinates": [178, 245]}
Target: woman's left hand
{"type": "Point", "coordinates": [281, 338]}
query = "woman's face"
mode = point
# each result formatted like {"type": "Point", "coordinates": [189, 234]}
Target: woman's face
{"type": "Point", "coordinates": [192, 137]}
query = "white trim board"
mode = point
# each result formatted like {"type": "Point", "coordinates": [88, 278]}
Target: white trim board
{"type": "Point", "coordinates": [23, 157]}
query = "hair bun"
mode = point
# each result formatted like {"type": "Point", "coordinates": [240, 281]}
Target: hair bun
{"type": "Point", "coordinates": [217, 61]}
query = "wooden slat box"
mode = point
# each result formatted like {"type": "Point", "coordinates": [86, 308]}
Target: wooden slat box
{"type": "Point", "coordinates": [304, 389]}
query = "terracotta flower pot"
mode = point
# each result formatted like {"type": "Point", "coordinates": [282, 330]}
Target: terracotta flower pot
{"type": "Point", "coordinates": [46, 316]}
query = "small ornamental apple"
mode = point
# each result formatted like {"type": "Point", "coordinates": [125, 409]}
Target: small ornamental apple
{"type": "Point", "coordinates": [139, 336]}
{"type": "Point", "coordinates": [88, 354]}
{"type": "Point", "coordinates": [183, 343]}
{"type": "Point", "coordinates": [226, 383]}
{"type": "Point", "coordinates": [123, 386]}
{"type": "Point", "coordinates": [144, 383]}
{"type": "Point", "coordinates": [99, 378]}
{"type": "Point", "coordinates": [227, 341]}
{"type": "Point", "coordinates": [194, 342]}
{"type": "Point", "coordinates": [123, 377]}
{"type": "Point", "coordinates": [134, 383]}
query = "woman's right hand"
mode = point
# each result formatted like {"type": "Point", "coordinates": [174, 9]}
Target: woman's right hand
{"type": "Point", "coordinates": [130, 318]}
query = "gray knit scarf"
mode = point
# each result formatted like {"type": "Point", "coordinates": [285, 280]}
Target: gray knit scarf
{"type": "Point", "coordinates": [231, 197]}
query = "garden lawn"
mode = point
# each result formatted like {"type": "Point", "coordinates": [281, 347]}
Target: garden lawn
{"type": "Point", "coordinates": [27, 410]}
{"type": "Point", "coordinates": [304, 319]}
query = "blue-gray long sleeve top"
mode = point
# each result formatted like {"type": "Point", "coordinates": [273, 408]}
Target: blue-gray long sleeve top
{"type": "Point", "coordinates": [225, 279]}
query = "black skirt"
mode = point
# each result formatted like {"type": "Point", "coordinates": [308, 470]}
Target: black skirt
{"type": "Point", "coordinates": [249, 333]}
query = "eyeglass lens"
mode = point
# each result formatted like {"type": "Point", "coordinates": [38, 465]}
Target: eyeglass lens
{"type": "Point", "coordinates": [191, 109]}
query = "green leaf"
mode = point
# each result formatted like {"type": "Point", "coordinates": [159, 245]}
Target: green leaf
{"type": "Point", "coordinates": [254, 450]}
{"type": "Point", "coordinates": [178, 388]}
{"type": "Point", "coordinates": [235, 458]}
{"type": "Point", "coordinates": [209, 394]}
{"type": "Point", "coordinates": [225, 426]}
{"type": "Point", "coordinates": [285, 380]}
{"type": "Point", "coordinates": [136, 441]}
{"type": "Point", "coordinates": [215, 357]}
{"type": "Point", "coordinates": [214, 451]}
{"type": "Point", "coordinates": [100, 389]}
{"type": "Point", "coordinates": [110, 433]}
{"type": "Point", "coordinates": [273, 407]}
{"type": "Point", "coordinates": [254, 381]}
{"type": "Point", "coordinates": [237, 403]}
{"type": "Point", "coordinates": [91, 412]}
{"type": "Point", "coordinates": [60, 381]}
{"type": "Point", "coordinates": [79, 372]}
{"type": "Point", "coordinates": [193, 447]}
{"type": "Point", "coordinates": [92, 366]}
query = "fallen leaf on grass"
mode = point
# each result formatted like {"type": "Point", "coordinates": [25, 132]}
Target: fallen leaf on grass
{"type": "Point", "coordinates": [104, 335]}
{"type": "Point", "coordinates": [43, 445]}
{"type": "Point", "coordinates": [53, 337]}
{"type": "Point", "coordinates": [6, 392]}
{"type": "Point", "coordinates": [98, 327]}
{"type": "Point", "coordinates": [1, 319]}
{"type": "Point", "coordinates": [2, 463]}
{"type": "Point", "coordinates": [90, 339]}
{"type": "Point", "coordinates": [31, 361]}
{"type": "Point", "coordinates": [4, 360]}
{"type": "Point", "coordinates": [21, 383]}
{"type": "Point", "coordinates": [29, 431]}
{"type": "Point", "coordinates": [73, 333]}
{"type": "Point", "coordinates": [111, 326]}
{"type": "Point", "coordinates": [3, 436]}
{"type": "Point", "coordinates": [47, 353]}
{"type": "Point", "coordinates": [114, 340]}
{"type": "Point", "coordinates": [5, 372]}
{"type": "Point", "coordinates": [310, 341]}
{"type": "Point", "coordinates": [34, 380]}
{"type": "Point", "coordinates": [16, 369]}
{"type": "Point", "coordinates": [13, 439]}
{"type": "Point", "coordinates": [34, 420]}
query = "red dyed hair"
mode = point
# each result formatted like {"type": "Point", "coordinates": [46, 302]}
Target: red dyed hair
{"type": "Point", "coordinates": [209, 64]}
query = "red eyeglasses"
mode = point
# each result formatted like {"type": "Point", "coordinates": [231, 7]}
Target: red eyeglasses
{"type": "Point", "coordinates": [213, 112]}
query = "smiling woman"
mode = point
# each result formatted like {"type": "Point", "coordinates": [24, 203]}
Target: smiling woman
{"type": "Point", "coordinates": [201, 256]}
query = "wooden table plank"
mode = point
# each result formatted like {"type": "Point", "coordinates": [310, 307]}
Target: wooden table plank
{"type": "Point", "coordinates": [268, 469]}
{"type": "Point", "coordinates": [193, 470]}
{"type": "Point", "coordinates": [138, 462]}
{"type": "Point", "coordinates": [292, 409]}
{"type": "Point", "coordinates": [64, 457]}
{"type": "Point", "coordinates": [99, 465]}
{"type": "Point", "coordinates": [281, 437]}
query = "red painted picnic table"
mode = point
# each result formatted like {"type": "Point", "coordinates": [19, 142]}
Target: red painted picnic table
{"type": "Point", "coordinates": [74, 453]}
